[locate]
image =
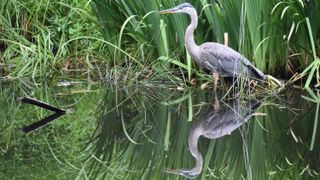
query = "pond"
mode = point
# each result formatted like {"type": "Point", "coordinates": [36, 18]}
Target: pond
{"type": "Point", "coordinates": [151, 132]}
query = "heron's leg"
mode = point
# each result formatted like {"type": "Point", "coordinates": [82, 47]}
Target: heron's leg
{"type": "Point", "coordinates": [216, 104]}
{"type": "Point", "coordinates": [226, 39]}
{"type": "Point", "coordinates": [215, 78]}
{"type": "Point", "coordinates": [216, 101]}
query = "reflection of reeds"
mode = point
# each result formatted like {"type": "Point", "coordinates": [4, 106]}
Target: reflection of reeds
{"type": "Point", "coordinates": [156, 136]}
{"type": "Point", "coordinates": [54, 151]}
{"type": "Point", "coordinates": [277, 144]}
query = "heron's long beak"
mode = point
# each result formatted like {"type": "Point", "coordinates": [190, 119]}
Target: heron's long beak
{"type": "Point", "coordinates": [182, 172]}
{"type": "Point", "coordinates": [173, 171]}
{"type": "Point", "coordinates": [168, 11]}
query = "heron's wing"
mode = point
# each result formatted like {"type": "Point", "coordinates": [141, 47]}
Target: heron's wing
{"type": "Point", "coordinates": [228, 62]}
{"type": "Point", "coordinates": [229, 118]}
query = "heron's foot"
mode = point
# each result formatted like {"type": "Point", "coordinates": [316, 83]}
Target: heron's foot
{"type": "Point", "coordinates": [216, 105]}
{"type": "Point", "coordinates": [216, 79]}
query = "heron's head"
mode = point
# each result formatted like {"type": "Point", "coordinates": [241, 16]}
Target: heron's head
{"type": "Point", "coordinates": [182, 8]}
{"type": "Point", "coordinates": [188, 173]}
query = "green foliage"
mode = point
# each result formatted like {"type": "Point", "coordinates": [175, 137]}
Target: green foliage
{"type": "Point", "coordinates": [37, 37]}
{"type": "Point", "coordinates": [268, 32]}
{"type": "Point", "coordinates": [43, 39]}
{"type": "Point", "coordinates": [156, 137]}
{"type": "Point", "coordinates": [51, 152]}
{"type": "Point", "coordinates": [40, 39]}
{"type": "Point", "coordinates": [135, 133]}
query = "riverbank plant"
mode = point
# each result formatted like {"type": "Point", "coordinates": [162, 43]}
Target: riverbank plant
{"type": "Point", "coordinates": [102, 38]}
{"type": "Point", "coordinates": [274, 35]}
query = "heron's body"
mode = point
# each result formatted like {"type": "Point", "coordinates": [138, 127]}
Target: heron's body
{"type": "Point", "coordinates": [226, 61]}
{"type": "Point", "coordinates": [214, 57]}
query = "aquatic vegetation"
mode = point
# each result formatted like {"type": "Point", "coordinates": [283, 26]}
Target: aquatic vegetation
{"type": "Point", "coordinates": [265, 31]}
{"type": "Point", "coordinates": [78, 38]}
{"type": "Point", "coordinates": [41, 40]}
{"type": "Point", "coordinates": [156, 138]}
{"type": "Point", "coordinates": [139, 91]}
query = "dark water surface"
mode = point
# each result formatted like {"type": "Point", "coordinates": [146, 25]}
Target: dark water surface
{"type": "Point", "coordinates": [157, 133]}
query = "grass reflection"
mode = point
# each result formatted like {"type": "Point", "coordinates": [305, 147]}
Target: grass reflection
{"type": "Point", "coordinates": [52, 152]}
{"type": "Point", "coordinates": [265, 147]}
{"type": "Point", "coordinates": [136, 133]}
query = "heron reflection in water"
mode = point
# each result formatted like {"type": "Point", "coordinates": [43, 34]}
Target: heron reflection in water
{"type": "Point", "coordinates": [213, 124]}
{"type": "Point", "coordinates": [214, 57]}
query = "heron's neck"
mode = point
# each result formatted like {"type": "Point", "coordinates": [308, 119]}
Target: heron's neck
{"type": "Point", "coordinates": [192, 47]}
{"type": "Point", "coordinates": [194, 136]}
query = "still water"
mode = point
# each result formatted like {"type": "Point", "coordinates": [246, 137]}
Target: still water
{"type": "Point", "coordinates": [157, 133]}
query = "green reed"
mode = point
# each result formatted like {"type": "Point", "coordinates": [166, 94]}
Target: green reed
{"type": "Point", "coordinates": [271, 146]}
{"type": "Point", "coordinates": [42, 39]}
{"type": "Point", "coordinates": [32, 34]}
{"type": "Point", "coordinates": [270, 33]}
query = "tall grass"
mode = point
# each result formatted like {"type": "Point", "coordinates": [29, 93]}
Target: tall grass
{"type": "Point", "coordinates": [33, 37]}
{"type": "Point", "coordinates": [273, 34]}
{"type": "Point", "coordinates": [46, 38]}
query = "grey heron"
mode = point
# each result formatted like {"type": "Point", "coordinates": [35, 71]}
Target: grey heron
{"type": "Point", "coordinates": [214, 57]}
{"type": "Point", "coordinates": [214, 124]}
